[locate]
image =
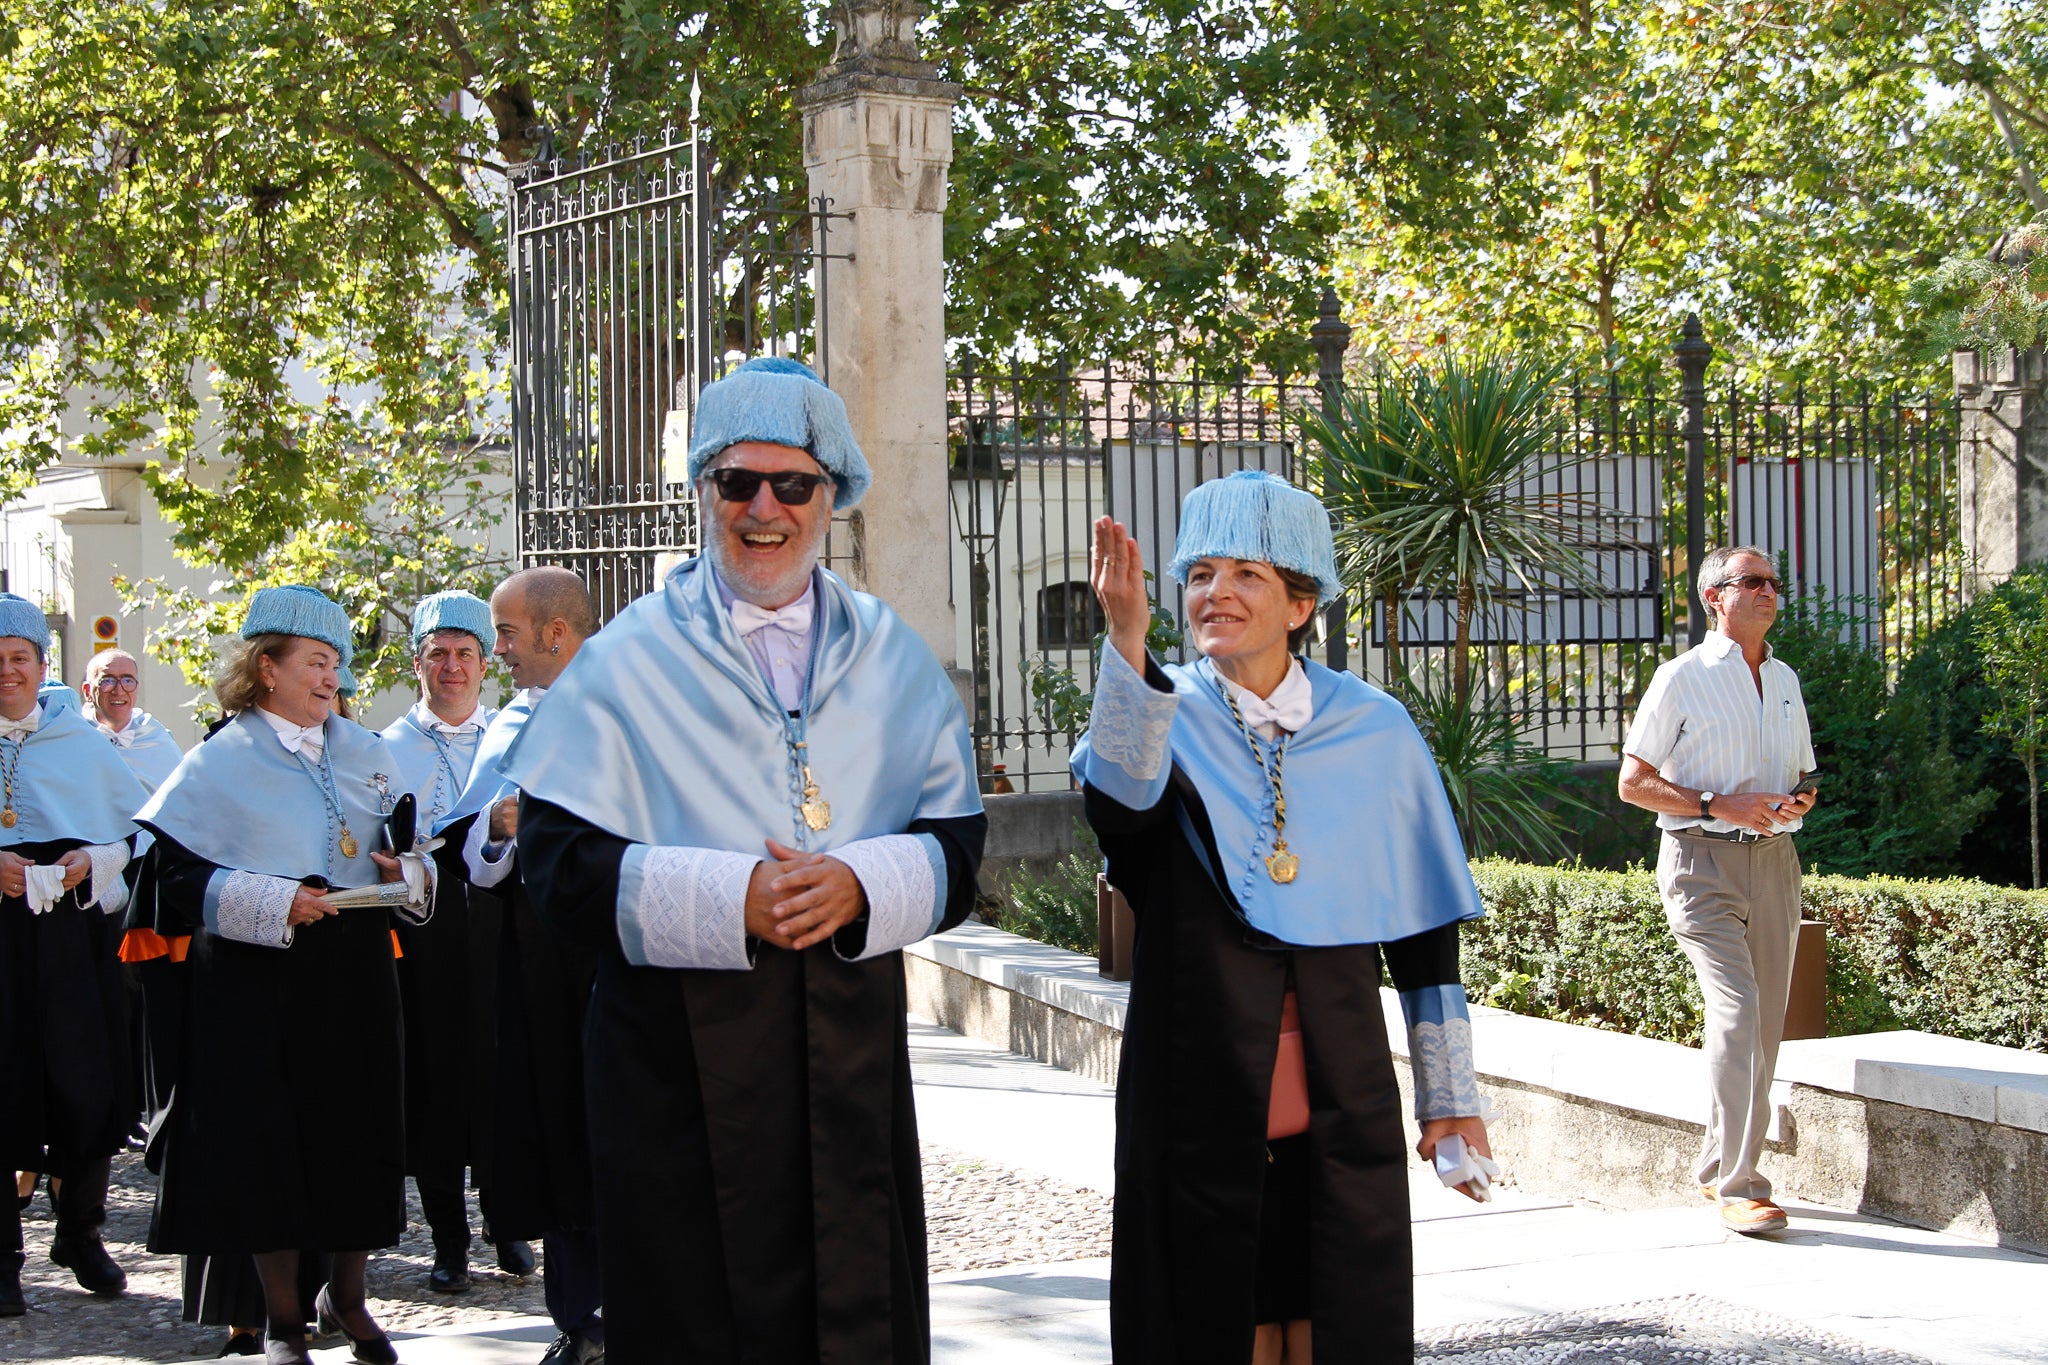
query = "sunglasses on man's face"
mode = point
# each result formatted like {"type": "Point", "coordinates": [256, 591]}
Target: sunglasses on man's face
{"type": "Point", "coordinates": [1753, 582]}
{"type": "Point", "coordinates": [790, 489]}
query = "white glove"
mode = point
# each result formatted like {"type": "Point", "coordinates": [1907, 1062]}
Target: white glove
{"type": "Point", "coordinates": [1457, 1164]}
{"type": "Point", "coordinates": [43, 885]}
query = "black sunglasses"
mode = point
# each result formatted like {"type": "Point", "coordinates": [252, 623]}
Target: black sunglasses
{"type": "Point", "coordinates": [1751, 582]}
{"type": "Point", "coordinates": [790, 489]}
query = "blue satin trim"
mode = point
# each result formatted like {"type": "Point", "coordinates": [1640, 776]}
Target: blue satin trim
{"type": "Point", "coordinates": [1434, 1004]}
{"type": "Point", "coordinates": [421, 769]}
{"type": "Point", "coordinates": [663, 731]}
{"type": "Point", "coordinates": [71, 785]}
{"type": "Point", "coordinates": [1366, 814]}
{"type": "Point", "coordinates": [486, 783]}
{"type": "Point", "coordinates": [242, 800]}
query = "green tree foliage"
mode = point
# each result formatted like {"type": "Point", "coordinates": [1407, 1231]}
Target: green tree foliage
{"type": "Point", "coordinates": [2012, 639]}
{"type": "Point", "coordinates": [1945, 682]}
{"type": "Point", "coordinates": [412, 504]}
{"type": "Point", "coordinates": [200, 193]}
{"type": "Point", "coordinates": [1786, 167]}
{"type": "Point", "coordinates": [1990, 301]}
{"type": "Point", "coordinates": [1895, 797]}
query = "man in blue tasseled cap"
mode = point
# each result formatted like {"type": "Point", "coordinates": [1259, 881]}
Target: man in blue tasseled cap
{"type": "Point", "coordinates": [450, 964]}
{"type": "Point", "coordinates": [749, 793]}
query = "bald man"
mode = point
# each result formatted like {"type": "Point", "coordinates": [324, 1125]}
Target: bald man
{"type": "Point", "coordinates": [113, 692]}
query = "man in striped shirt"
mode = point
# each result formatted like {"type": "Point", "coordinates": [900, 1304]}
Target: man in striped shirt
{"type": "Point", "coordinates": [1719, 746]}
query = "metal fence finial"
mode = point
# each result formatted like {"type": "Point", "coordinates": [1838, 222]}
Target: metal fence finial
{"type": "Point", "coordinates": [1693, 352]}
{"type": "Point", "coordinates": [1331, 336]}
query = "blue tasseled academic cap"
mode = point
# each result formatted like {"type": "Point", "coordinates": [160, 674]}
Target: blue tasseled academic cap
{"type": "Point", "coordinates": [452, 610]}
{"type": "Point", "coordinates": [1254, 515]}
{"type": "Point", "coordinates": [296, 609]}
{"type": "Point", "coordinates": [23, 619]}
{"type": "Point", "coordinates": [780, 401]}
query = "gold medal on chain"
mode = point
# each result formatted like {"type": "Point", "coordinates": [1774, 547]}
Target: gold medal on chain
{"type": "Point", "coordinates": [8, 818]}
{"type": "Point", "coordinates": [817, 813]}
{"type": "Point", "coordinates": [349, 846]}
{"type": "Point", "coordinates": [1281, 865]}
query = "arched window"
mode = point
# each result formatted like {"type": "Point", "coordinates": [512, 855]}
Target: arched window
{"type": "Point", "coordinates": [1068, 614]}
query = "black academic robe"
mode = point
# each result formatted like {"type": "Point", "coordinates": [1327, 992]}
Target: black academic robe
{"type": "Point", "coordinates": [447, 982]}
{"type": "Point", "coordinates": [540, 1174]}
{"type": "Point", "coordinates": [1192, 1092]}
{"type": "Point", "coordinates": [64, 1051]}
{"type": "Point", "coordinates": [287, 1127]}
{"type": "Point", "coordinates": [754, 1143]}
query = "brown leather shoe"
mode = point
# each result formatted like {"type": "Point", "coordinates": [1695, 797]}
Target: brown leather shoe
{"type": "Point", "coordinates": [1751, 1216]}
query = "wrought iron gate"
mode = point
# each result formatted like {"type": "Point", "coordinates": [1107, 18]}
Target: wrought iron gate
{"type": "Point", "coordinates": [633, 283]}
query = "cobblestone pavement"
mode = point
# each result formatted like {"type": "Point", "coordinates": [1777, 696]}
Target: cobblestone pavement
{"type": "Point", "coordinates": [980, 1216]}
{"type": "Point", "coordinates": [1694, 1330]}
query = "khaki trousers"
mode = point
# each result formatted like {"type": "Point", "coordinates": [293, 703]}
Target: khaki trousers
{"type": "Point", "coordinates": [1735, 910]}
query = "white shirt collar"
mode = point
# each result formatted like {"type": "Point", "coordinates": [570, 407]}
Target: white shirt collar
{"type": "Point", "coordinates": [27, 725]}
{"type": "Point", "coordinates": [307, 739]}
{"type": "Point", "coordinates": [1289, 708]}
{"type": "Point", "coordinates": [423, 716]}
{"type": "Point", "coordinates": [1720, 646]}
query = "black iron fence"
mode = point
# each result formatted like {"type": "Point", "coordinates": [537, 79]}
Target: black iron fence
{"type": "Point", "coordinates": [1855, 489]}
{"type": "Point", "coordinates": [632, 285]}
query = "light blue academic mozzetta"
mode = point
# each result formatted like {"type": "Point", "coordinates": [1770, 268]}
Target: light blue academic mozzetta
{"type": "Point", "coordinates": [667, 697]}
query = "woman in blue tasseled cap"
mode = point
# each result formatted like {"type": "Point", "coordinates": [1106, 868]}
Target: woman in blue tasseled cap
{"type": "Point", "coordinates": [286, 1135]}
{"type": "Point", "coordinates": [1278, 829]}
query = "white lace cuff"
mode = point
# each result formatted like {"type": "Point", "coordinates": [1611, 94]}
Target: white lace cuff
{"type": "Point", "coordinates": [105, 887]}
{"type": "Point", "coordinates": [684, 907]}
{"type": "Point", "coordinates": [904, 876]}
{"type": "Point", "coordinates": [1124, 754]}
{"type": "Point", "coordinates": [1446, 1083]}
{"type": "Point", "coordinates": [249, 907]}
{"type": "Point", "coordinates": [486, 869]}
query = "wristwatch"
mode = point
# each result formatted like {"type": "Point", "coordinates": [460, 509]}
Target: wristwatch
{"type": "Point", "coordinates": [1706, 800]}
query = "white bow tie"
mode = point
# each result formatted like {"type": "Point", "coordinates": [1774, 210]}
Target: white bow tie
{"type": "Point", "coordinates": [308, 738]}
{"type": "Point", "coordinates": [456, 730]}
{"type": "Point", "coordinates": [123, 739]}
{"type": "Point", "coordinates": [748, 618]}
{"type": "Point", "coordinates": [1288, 712]}
{"type": "Point", "coordinates": [24, 727]}
{"type": "Point", "coordinates": [1290, 706]}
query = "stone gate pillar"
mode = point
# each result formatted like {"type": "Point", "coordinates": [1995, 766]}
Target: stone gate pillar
{"type": "Point", "coordinates": [878, 137]}
{"type": "Point", "coordinates": [2004, 489]}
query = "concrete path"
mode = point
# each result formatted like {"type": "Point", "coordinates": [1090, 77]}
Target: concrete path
{"type": "Point", "coordinates": [1877, 1283]}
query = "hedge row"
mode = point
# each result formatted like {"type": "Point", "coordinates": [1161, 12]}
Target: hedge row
{"type": "Point", "coordinates": [1957, 957]}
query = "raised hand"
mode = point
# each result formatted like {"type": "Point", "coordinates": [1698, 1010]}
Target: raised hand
{"type": "Point", "coordinates": [1117, 573]}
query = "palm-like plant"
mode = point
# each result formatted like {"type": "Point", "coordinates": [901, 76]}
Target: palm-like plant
{"type": "Point", "coordinates": [1360, 455]}
{"type": "Point", "coordinates": [1506, 795]}
{"type": "Point", "coordinates": [1467, 508]}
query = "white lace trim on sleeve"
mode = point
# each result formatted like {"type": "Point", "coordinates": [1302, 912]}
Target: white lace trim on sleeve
{"type": "Point", "coordinates": [106, 889]}
{"type": "Point", "coordinates": [904, 893]}
{"type": "Point", "coordinates": [1446, 1082]}
{"type": "Point", "coordinates": [1130, 721]}
{"type": "Point", "coordinates": [684, 907]}
{"type": "Point", "coordinates": [252, 908]}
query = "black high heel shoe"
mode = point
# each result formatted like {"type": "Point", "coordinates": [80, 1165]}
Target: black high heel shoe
{"type": "Point", "coordinates": [375, 1349]}
{"type": "Point", "coordinates": [285, 1348]}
